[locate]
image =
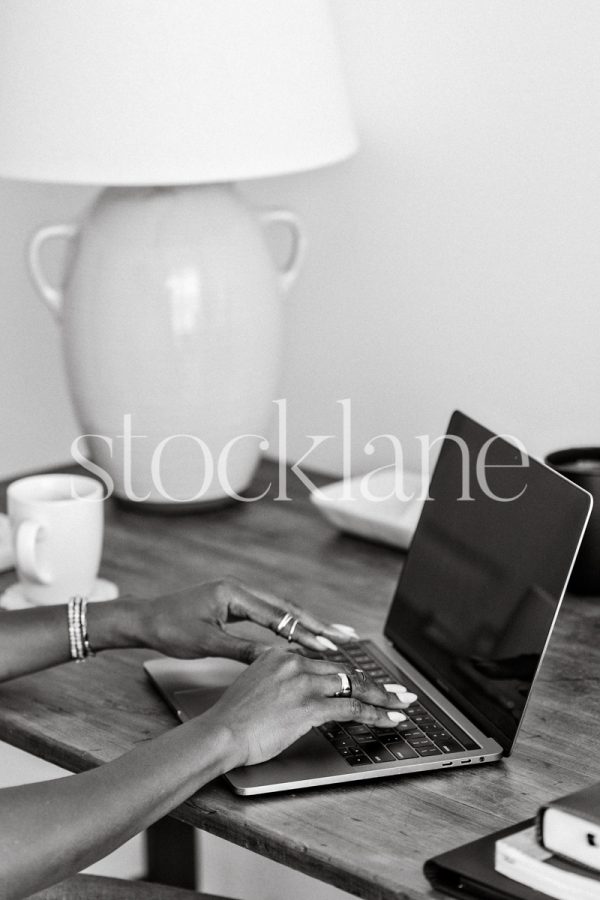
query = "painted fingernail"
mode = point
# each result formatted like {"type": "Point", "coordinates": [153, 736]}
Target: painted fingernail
{"type": "Point", "coordinates": [396, 716]}
{"type": "Point", "coordinates": [325, 642]}
{"type": "Point", "coordinates": [345, 629]}
{"type": "Point", "coordinates": [407, 697]}
{"type": "Point", "coordinates": [395, 688]}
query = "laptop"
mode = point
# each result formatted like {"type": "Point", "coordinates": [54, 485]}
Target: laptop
{"type": "Point", "coordinates": [466, 631]}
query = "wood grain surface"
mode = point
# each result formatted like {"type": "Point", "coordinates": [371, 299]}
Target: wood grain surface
{"type": "Point", "coordinates": [97, 887]}
{"type": "Point", "coordinates": [370, 839]}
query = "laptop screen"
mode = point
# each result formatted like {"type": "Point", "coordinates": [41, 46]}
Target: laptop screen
{"type": "Point", "coordinates": [485, 574]}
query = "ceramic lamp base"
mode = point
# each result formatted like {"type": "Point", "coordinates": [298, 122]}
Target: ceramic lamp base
{"type": "Point", "coordinates": [171, 324]}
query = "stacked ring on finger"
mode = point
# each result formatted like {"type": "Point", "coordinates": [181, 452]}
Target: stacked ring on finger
{"type": "Point", "coordinates": [346, 688]}
{"type": "Point", "coordinates": [285, 619]}
{"type": "Point", "coordinates": [291, 631]}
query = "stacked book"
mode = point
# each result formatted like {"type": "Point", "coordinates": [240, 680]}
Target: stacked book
{"type": "Point", "coordinates": [555, 855]}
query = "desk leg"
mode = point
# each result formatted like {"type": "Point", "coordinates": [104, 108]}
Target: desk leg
{"type": "Point", "coordinates": [171, 854]}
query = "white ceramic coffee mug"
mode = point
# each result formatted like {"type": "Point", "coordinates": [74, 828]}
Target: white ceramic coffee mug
{"type": "Point", "coordinates": [57, 525]}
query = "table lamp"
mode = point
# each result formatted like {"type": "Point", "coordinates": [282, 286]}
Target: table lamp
{"type": "Point", "coordinates": [170, 307]}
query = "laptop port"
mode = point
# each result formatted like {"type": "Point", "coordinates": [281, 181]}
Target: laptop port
{"type": "Point", "coordinates": [463, 762]}
{"type": "Point", "coordinates": [447, 764]}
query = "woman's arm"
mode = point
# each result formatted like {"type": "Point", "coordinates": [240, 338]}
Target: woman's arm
{"type": "Point", "coordinates": [188, 624]}
{"type": "Point", "coordinates": [33, 639]}
{"type": "Point", "coordinates": [52, 830]}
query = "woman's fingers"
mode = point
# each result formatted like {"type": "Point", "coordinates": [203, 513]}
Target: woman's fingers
{"type": "Point", "coordinates": [246, 604]}
{"type": "Point", "coordinates": [232, 647]}
{"type": "Point", "coordinates": [391, 694]}
{"type": "Point", "coordinates": [302, 635]}
{"type": "Point", "coordinates": [351, 709]}
{"type": "Point", "coordinates": [341, 633]}
{"type": "Point", "coordinates": [363, 688]}
{"type": "Point", "coordinates": [280, 696]}
{"type": "Point", "coordinates": [284, 618]}
{"type": "Point", "coordinates": [327, 682]}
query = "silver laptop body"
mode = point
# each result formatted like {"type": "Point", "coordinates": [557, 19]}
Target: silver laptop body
{"type": "Point", "coordinates": [468, 627]}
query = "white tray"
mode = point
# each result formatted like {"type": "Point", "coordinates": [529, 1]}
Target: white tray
{"type": "Point", "coordinates": [389, 521]}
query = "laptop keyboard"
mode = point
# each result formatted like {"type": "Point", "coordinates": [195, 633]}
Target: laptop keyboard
{"type": "Point", "coordinates": [427, 731]}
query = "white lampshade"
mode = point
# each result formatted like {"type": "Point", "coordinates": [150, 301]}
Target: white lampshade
{"type": "Point", "coordinates": [129, 92]}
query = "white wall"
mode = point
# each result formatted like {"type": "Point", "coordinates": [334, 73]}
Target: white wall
{"type": "Point", "coordinates": [454, 262]}
{"type": "Point", "coordinates": [37, 424]}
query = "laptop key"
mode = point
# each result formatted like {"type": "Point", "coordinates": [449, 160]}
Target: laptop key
{"type": "Point", "coordinates": [357, 728]}
{"type": "Point", "coordinates": [335, 728]}
{"type": "Point", "coordinates": [343, 741]}
{"type": "Point", "coordinates": [390, 737]}
{"type": "Point", "coordinates": [421, 745]}
{"type": "Point", "coordinates": [407, 728]}
{"type": "Point", "coordinates": [367, 738]}
{"type": "Point", "coordinates": [330, 733]}
{"type": "Point", "coordinates": [437, 730]}
{"type": "Point", "coordinates": [440, 739]}
{"type": "Point", "coordinates": [449, 746]}
{"type": "Point", "coordinates": [431, 750]}
{"type": "Point", "coordinates": [402, 750]}
{"type": "Point", "coordinates": [361, 760]}
{"type": "Point", "coordinates": [377, 752]}
{"type": "Point", "coordinates": [421, 720]}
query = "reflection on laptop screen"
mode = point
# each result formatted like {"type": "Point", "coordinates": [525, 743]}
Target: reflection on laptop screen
{"type": "Point", "coordinates": [483, 579]}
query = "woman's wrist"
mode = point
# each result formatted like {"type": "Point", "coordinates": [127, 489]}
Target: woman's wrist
{"type": "Point", "coordinates": [218, 741]}
{"type": "Point", "coordinates": [116, 624]}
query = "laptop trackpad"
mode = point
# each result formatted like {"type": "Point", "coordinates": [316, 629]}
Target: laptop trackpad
{"type": "Point", "coordinates": [196, 701]}
{"type": "Point", "coordinates": [196, 685]}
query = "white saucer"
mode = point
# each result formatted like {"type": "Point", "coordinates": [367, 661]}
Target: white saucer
{"type": "Point", "coordinates": [13, 597]}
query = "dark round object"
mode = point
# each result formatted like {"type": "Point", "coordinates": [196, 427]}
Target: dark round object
{"type": "Point", "coordinates": [581, 465]}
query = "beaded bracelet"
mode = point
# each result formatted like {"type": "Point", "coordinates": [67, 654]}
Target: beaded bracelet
{"type": "Point", "coordinates": [78, 637]}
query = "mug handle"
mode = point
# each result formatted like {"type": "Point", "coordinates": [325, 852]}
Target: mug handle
{"type": "Point", "coordinates": [25, 555]}
{"type": "Point", "coordinates": [289, 272]}
{"type": "Point", "coordinates": [50, 294]}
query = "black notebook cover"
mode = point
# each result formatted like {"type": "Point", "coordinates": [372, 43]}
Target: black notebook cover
{"type": "Point", "coordinates": [469, 872]}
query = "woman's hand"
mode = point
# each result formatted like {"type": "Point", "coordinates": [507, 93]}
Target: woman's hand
{"type": "Point", "coordinates": [192, 622]}
{"type": "Point", "coordinates": [282, 695]}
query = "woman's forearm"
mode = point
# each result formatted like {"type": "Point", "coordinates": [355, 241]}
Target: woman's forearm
{"type": "Point", "coordinates": [34, 639]}
{"type": "Point", "coordinates": [188, 624]}
{"type": "Point", "coordinates": [52, 830]}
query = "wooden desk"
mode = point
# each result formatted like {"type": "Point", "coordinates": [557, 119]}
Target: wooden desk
{"type": "Point", "coordinates": [370, 839]}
